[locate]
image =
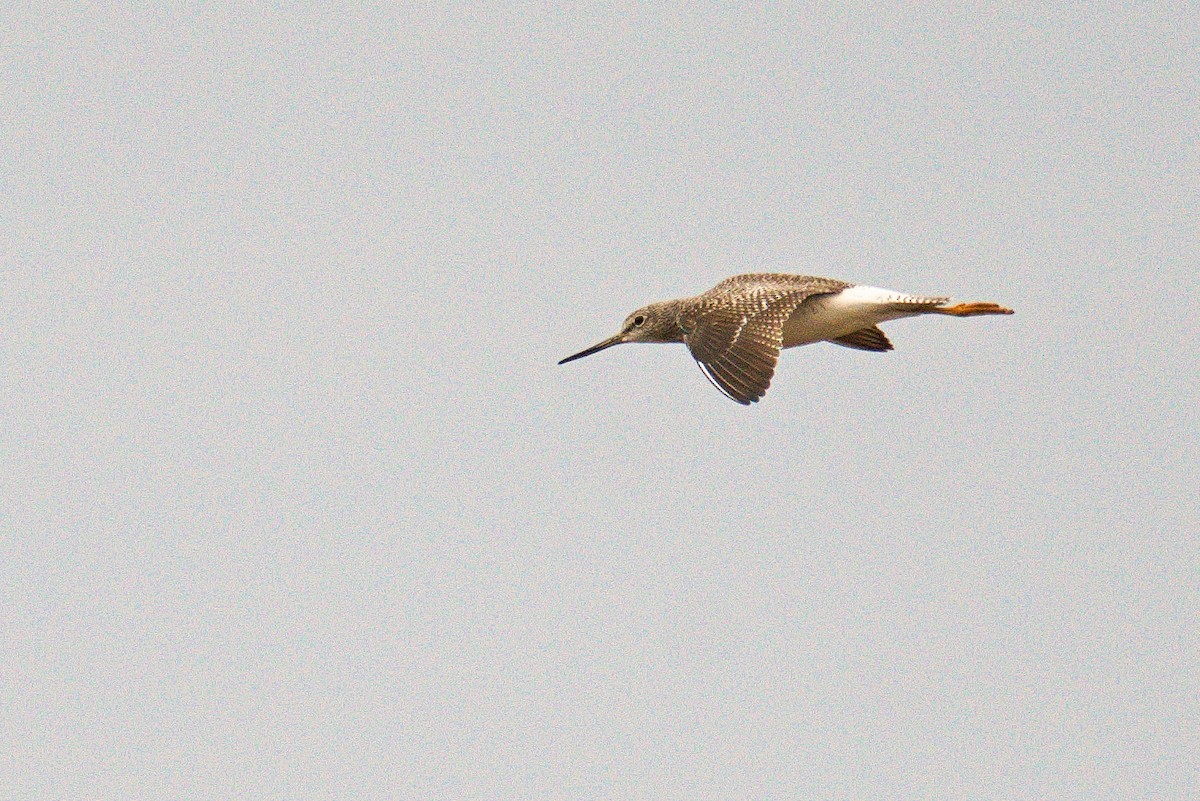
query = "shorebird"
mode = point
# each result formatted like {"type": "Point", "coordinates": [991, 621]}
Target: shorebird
{"type": "Point", "coordinates": [736, 329]}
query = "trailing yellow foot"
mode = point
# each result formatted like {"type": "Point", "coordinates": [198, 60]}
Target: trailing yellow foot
{"type": "Point", "coordinates": [972, 309]}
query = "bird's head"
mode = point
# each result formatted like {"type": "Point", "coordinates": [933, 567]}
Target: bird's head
{"type": "Point", "coordinates": [654, 323]}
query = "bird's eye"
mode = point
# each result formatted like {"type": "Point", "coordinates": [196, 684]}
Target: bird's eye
{"type": "Point", "coordinates": [639, 320]}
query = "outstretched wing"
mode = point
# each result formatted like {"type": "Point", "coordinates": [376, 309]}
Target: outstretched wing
{"type": "Point", "coordinates": [865, 339]}
{"type": "Point", "coordinates": [735, 330]}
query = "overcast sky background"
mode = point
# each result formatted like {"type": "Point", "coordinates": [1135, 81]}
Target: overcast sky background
{"type": "Point", "coordinates": [297, 504]}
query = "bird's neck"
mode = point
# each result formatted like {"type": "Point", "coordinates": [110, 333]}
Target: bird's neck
{"type": "Point", "coordinates": [670, 330]}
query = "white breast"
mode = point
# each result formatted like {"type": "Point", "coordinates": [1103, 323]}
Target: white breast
{"type": "Point", "coordinates": [829, 316]}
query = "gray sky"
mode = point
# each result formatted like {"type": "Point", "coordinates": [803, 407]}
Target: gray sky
{"type": "Point", "coordinates": [297, 504]}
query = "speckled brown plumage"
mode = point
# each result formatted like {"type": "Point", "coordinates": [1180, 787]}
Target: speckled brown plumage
{"type": "Point", "coordinates": [736, 330]}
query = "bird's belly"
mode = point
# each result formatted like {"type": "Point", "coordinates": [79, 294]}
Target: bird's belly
{"type": "Point", "coordinates": [831, 316]}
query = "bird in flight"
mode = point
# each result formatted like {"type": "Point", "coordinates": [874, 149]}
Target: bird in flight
{"type": "Point", "coordinates": [736, 329]}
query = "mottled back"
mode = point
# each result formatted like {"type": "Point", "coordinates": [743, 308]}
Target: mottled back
{"type": "Point", "coordinates": [735, 329]}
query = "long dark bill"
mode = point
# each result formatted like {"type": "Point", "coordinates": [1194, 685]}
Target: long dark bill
{"type": "Point", "coordinates": [599, 346]}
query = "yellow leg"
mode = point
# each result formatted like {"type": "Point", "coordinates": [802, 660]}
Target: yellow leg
{"type": "Point", "coordinates": [972, 309]}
